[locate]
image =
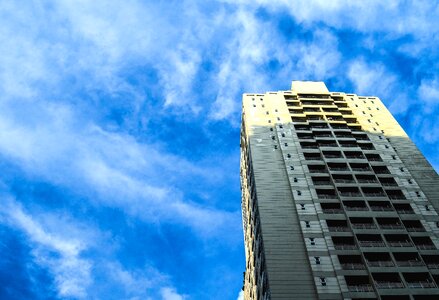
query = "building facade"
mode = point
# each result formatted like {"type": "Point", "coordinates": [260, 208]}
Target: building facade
{"type": "Point", "coordinates": [337, 201]}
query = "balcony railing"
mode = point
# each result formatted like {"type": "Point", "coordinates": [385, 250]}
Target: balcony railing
{"type": "Point", "coordinates": [360, 288]}
{"type": "Point", "coordinates": [338, 169]}
{"type": "Point", "coordinates": [371, 244]}
{"type": "Point", "coordinates": [415, 229]}
{"type": "Point", "coordinates": [421, 284]}
{"type": "Point", "coordinates": [322, 183]}
{"type": "Point", "coordinates": [356, 208]}
{"type": "Point", "coordinates": [374, 195]}
{"type": "Point", "coordinates": [344, 181]}
{"type": "Point", "coordinates": [338, 228]}
{"type": "Point", "coordinates": [389, 285]}
{"type": "Point", "coordinates": [345, 246]}
{"type": "Point", "coordinates": [381, 263]}
{"type": "Point", "coordinates": [317, 170]}
{"type": "Point", "coordinates": [381, 208]}
{"type": "Point", "coordinates": [410, 263]}
{"type": "Point", "coordinates": [367, 181]}
{"type": "Point", "coordinates": [397, 197]}
{"type": "Point", "coordinates": [391, 226]}
{"type": "Point", "coordinates": [389, 183]}
{"type": "Point", "coordinates": [332, 210]}
{"type": "Point", "coordinates": [361, 169]}
{"type": "Point", "coordinates": [350, 194]}
{"type": "Point", "coordinates": [433, 265]}
{"type": "Point", "coordinates": [405, 211]}
{"type": "Point", "coordinates": [426, 247]}
{"type": "Point", "coordinates": [352, 266]}
{"type": "Point", "coordinates": [400, 244]}
{"type": "Point", "coordinates": [325, 196]}
{"type": "Point", "coordinates": [363, 226]}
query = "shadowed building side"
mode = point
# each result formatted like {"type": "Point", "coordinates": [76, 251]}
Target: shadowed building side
{"type": "Point", "coordinates": [337, 202]}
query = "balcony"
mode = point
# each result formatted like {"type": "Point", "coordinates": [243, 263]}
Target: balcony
{"type": "Point", "coordinates": [403, 208]}
{"type": "Point", "coordinates": [421, 285]}
{"type": "Point", "coordinates": [360, 288]}
{"type": "Point", "coordinates": [361, 137]}
{"type": "Point", "coordinates": [343, 243]}
{"type": "Point", "coordinates": [322, 182]}
{"type": "Point", "coordinates": [373, 157]}
{"type": "Point", "coordinates": [363, 226]}
{"type": "Point", "coordinates": [400, 244]}
{"type": "Point", "coordinates": [317, 169]}
{"type": "Point", "coordinates": [391, 226]}
{"type": "Point", "coordinates": [338, 229]}
{"type": "Point", "coordinates": [410, 263]}
{"type": "Point", "coordinates": [425, 246]}
{"type": "Point", "coordinates": [344, 180]}
{"type": "Point", "coordinates": [371, 243]}
{"type": "Point", "coordinates": [413, 225]}
{"type": "Point", "coordinates": [366, 179]}
{"type": "Point", "coordinates": [350, 194]}
{"type": "Point", "coordinates": [345, 246]}
{"type": "Point", "coordinates": [381, 170]}
{"type": "Point", "coordinates": [381, 208]}
{"type": "Point", "coordinates": [332, 211]}
{"type": "Point", "coordinates": [389, 285]}
{"type": "Point", "coordinates": [374, 195]}
{"type": "Point", "coordinates": [352, 266]}
{"type": "Point", "coordinates": [347, 145]}
{"type": "Point", "coordinates": [356, 208]}
{"type": "Point", "coordinates": [378, 263]}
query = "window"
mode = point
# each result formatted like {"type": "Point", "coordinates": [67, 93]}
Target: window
{"type": "Point", "coordinates": [295, 179]}
{"type": "Point", "coordinates": [275, 147]}
{"type": "Point", "coordinates": [410, 181]}
{"type": "Point", "coordinates": [286, 144]}
{"type": "Point", "coordinates": [393, 157]}
{"type": "Point", "coordinates": [283, 134]}
{"type": "Point", "coordinates": [302, 206]}
{"type": "Point", "coordinates": [271, 129]}
{"type": "Point", "coordinates": [317, 259]}
{"type": "Point", "coordinates": [307, 224]}
{"type": "Point", "coordinates": [269, 121]}
{"type": "Point", "coordinates": [299, 193]}
{"type": "Point", "coordinates": [401, 169]}
{"type": "Point", "coordinates": [418, 194]}
{"type": "Point", "coordinates": [289, 155]}
{"type": "Point", "coordinates": [380, 137]}
{"type": "Point", "coordinates": [267, 113]}
{"type": "Point", "coordinates": [273, 137]}
{"type": "Point", "coordinates": [291, 168]}
{"type": "Point", "coordinates": [312, 241]}
{"type": "Point", "coordinates": [427, 208]}
{"type": "Point", "coordinates": [323, 281]}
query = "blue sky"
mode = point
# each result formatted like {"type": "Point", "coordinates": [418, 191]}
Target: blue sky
{"type": "Point", "coordinates": [119, 129]}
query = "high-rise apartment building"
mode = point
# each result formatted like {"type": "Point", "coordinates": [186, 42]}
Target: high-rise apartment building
{"type": "Point", "coordinates": [337, 201]}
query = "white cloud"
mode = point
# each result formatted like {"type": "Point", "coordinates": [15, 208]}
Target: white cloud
{"type": "Point", "coordinates": [168, 293]}
{"type": "Point", "coordinates": [71, 271]}
{"type": "Point", "coordinates": [241, 295]}
{"type": "Point", "coordinates": [428, 92]}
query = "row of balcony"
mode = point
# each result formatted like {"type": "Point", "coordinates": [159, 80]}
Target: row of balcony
{"type": "Point", "coordinates": [390, 240]}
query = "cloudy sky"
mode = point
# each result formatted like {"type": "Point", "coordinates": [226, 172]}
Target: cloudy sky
{"type": "Point", "coordinates": [119, 129]}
